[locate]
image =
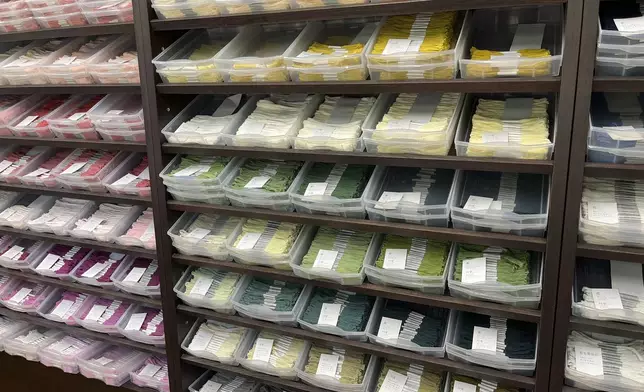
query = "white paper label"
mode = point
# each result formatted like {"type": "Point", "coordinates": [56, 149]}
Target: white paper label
{"type": "Point", "coordinates": [26, 121]}
{"type": "Point", "coordinates": [389, 200]}
{"type": "Point", "coordinates": [201, 340]}
{"type": "Point", "coordinates": [198, 234]}
{"type": "Point", "coordinates": [12, 252]}
{"type": "Point", "coordinates": [210, 386]}
{"type": "Point", "coordinates": [115, 112]}
{"type": "Point", "coordinates": [126, 179]}
{"type": "Point", "coordinates": [190, 170]}
{"type": "Point", "coordinates": [411, 197]}
{"type": "Point", "coordinates": [136, 321]}
{"type": "Point", "coordinates": [257, 182]}
{"type": "Point", "coordinates": [607, 299]}
{"type": "Point", "coordinates": [77, 116]}
{"type": "Point", "coordinates": [149, 370]}
{"type": "Point", "coordinates": [20, 295]}
{"type": "Point", "coordinates": [48, 262]}
{"type": "Point", "coordinates": [396, 46]}
{"type": "Point", "coordinates": [325, 259]}
{"type": "Point", "coordinates": [627, 277]}
{"type": "Point", "coordinates": [62, 308]}
{"type": "Point", "coordinates": [37, 172]}
{"type": "Point", "coordinates": [201, 287]}
{"type": "Point", "coordinates": [327, 365]}
{"type": "Point", "coordinates": [394, 382]}
{"type": "Point", "coordinates": [263, 349]}
{"type": "Point", "coordinates": [4, 165]}
{"type": "Point", "coordinates": [95, 312]}
{"type": "Point", "coordinates": [91, 224]}
{"type": "Point", "coordinates": [460, 386]}
{"type": "Point", "coordinates": [248, 241]}
{"type": "Point", "coordinates": [589, 360]}
{"type": "Point", "coordinates": [603, 212]}
{"type": "Point", "coordinates": [316, 189]}
{"type": "Point", "coordinates": [630, 24]}
{"type": "Point", "coordinates": [329, 314]}
{"type": "Point", "coordinates": [395, 259]}
{"type": "Point", "coordinates": [74, 167]}
{"type": "Point", "coordinates": [484, 339]}
{"type": "Point", "coordinates": [399, 124]}
{"type": "Point", "coordinates": [496, 137]}
{"type": "Point", "coordinates": [94, 270]}
{"type": "Point", "coordinates": [389, 328]}
{"type": "Point", "coordinates": [478, 203]}
{"type": "Point", "coordinates": [474, 270]}
{"type": "Point", "coordinates": [135, 275]}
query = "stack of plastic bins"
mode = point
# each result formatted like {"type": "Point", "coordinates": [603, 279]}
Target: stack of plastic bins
{"type": "Point", "coordinates": [73, 176]}
{"type": "Point", "coordinates": [23, 296]}
{"type": "Point", "coordinates": [230, 112]}
{"type": "Point", "coordinates": [16, 16]}
{"type": "Point", "coordinates": [503, 148]}
{"type": "Point", "coordinates": [221, 305]}
{"type": "Point", "coordinates": [376, 336]}
{"type": "Point", "coordinates": [381, 206]}
{"type": "Point", "coordinates": [54, 14]}
{"type": "Point", "coordinates": [283, 140]}
{"type": "Point", "coordinates": [119, 117]}
{"type": "Point", "coordinates": [195, 343]}
{"type": "Point", "coordinates": [476, 207]}
{"type": "Point", "coordinates": [495, 359]}
{"type": "Point", "coordinates": [27, 208]}
{"type": "Point", "coordinates": [407, 139]}
{"type": "Point", "coordinates": [295, 4]}
{"type": "Point", "coordinates": [120, 67]}
{"type": "Point", "coordinates": [509, 31]}
{"type": "Point", "coordinates": [23, 70]}
{"type": "Point", "coordinates": [152, 374]}
{"type": "Point", "coordinates": [604, 276]}
{"type": "Point", "coordinates": [620, 51]}
{"type": "Point", "coordinates": [72, 122]}
{"type": "Point", "coordinates": [59, 355]}
{"type": "Point", "coordinates": [12, 253]}
{"type": "Point", "coordinates": [185, 185]}
{"type": "Point", "coordinates": [616, 128]}
{"type": "Point", "coordinates": [407, 63]}
{"type": "Point", "coordinates": [91, 314]}
{"type": "Point", "coordinates": [251, 6]}
{"type": "Point", "coordinates": [262, 257]}
{"type": "Point", "coordinates": [191, 58]}
{"type": "Point", "coordinates": [28, 342]}
{"type": "Point", "coordinates": [27, 160]}
{"type": "Point", "coordinates": [138, 276]}
{"type": "Point", "coordinates": [265, 366]}
{"type": "Point", "coordinates": [524, 296]}
{"type": "Point", "coordinates": [257, 53]}
{"type": "Point", "coordinates": [262, 312]}
{"type": "Point", "coordinates": [173, 9]}
{"type": "Point", "coordinates": [369, 377]}
{"type": "Point", "coordinates": [34, 122]}
{"type": "Point", "coordinates": [107, 11]}
{"type": "Point", "coordinates": [65, 72]}
{"type": "Point", "coordinates": [112, 364]}
{"type": "Point", "coordinates": [13, 106]}
{"type": "Point", "coordinates": [192, 244]}
{"type": "Point", "coordinates": [338, 65]}
{"type": "Point", "coordinates": [128, 178]}
{"type": "Point", "coordinates": [257, 198]}
{"type": "Point", "coordinates": [127, 326]}
{"type": "Point", "coordinates": [327, 205]}
{"type": "Point", "coordinates": [56, 308]}
{"type": "Point", "coordinates": [329, 274]}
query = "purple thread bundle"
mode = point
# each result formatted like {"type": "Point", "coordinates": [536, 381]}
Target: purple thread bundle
{"type": "Point", "coordinates": [28, 295]}
{"type": "Point", "coordinates": [112, 314]}
{"type": "Point", "coordinates": [102, 257]}
{"type": "Point", "coordinates": [64, 310]}
{"type": "Point", "coordinates": [69, 257]}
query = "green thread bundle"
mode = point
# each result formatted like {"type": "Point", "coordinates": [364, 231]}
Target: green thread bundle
{"type": "Point", "coordinates": [477, 382]}
{"type": "Point", "coordinates": [222, 339]}
{"type": "Point", "coordinates": [421, 325]}
{"type": "Point", "coordinates": [424, 257]}
{"type": "Point", "coordinates": [211, 167]}
{"type": "Point", "coordinates": [354, 314]}
{"type": "Point", "coordinates": [351, 368]}
{"type": "Point", "coordinates": [512, 266]}
{"type": "Point", "coordinates": [277, 295]}
{"type": "Point", "coordinates": [281, 173]}
{"type": "Point", "coordinates": [276, 238]}
{"type": "Point", "coordinates": [343, 181]}
{"type": "Point", "coordinates": [419, 379]}
{"type": "Point", "coordinates": [285, 351]}
{"type": "Point", "coordinates": [351, 247]}
{"type": "Point", "coordinates": [219, 229]}
{"type": "Point", "coordinates": [222, 287]}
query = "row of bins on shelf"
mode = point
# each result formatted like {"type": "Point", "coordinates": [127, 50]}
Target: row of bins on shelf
{"type": "Point", "coordinates": [521, 42]}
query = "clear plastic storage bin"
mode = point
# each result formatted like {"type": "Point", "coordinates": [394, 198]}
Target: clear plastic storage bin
{"type": "Point", "coordinates": [112, 364]}
{"type": "Point", "coordinates": [153, 374]}
{"type": "Point", "coordinates": [125, 277]}
{"type": "Point", "coordinates": [620, 51]}
{"type": "Point", "coordinates": [27, 208]}
{"type": "Point", "coordinates": [194, 246]}
{"type": "Point", "coordinates": [506, 32]}
{"type": "Point", "coordinates": [107, 11]}
{"type": "Point", "coordinates": [14, 106]}
{"type": "Point", "coordinates": [369, 379]}
{"type": "Point", "coordinates": [44, 263]}
{"type": "Point", "coordinates": [525, 296]}
{"type": "Point", "coordinates": [410, 65]}
{"type": "Point", "coordinates": [72, 122]}
{"type": "Point", "coordinates": [266, 367]}
{"type": "Point", "coordinates": [493, 218]}
{"type": "Point", "coordinates": [251, 6]}
{"type": "Point", "coordinates": [60, 310]}
{"type": "Point", "coordinates": [200, 383]}
{"type": "Point", "coordinates": [185, 9]}
{"type": "Point", "coordinates": [62, 225]}
{"type": "Point", "coordinates": [117, 229]}
{"type": "Point", "coordinates": [621, 38]}
{"type": "Point", "coordinates": [410, 141]}
{"type": "Point", "coordinates": [176, 65]}
{"type": "Point", "coordinates": [618, 144]}
{"type": "Point", "coordinates": [46, 174]}
{"type": "Point", "coordinates": [121, 181]}
{"type": "Point", "coordinates": [65, 353]}
{"type": "Point", "coordinates": [29, 159]}
{"type": "Point", "coordinates": [408, 211]}
{"type": "Point", "coordinates": [126, 329]}
{"type": "Point", "coordinates": [87, 271]}
{"type": "Point", "coordinates": [208, 105]}
{"type": "Point", "coordinates": [57, 17]}
{"type": "Point", "coordinates": [11, 327]}
{"type": "Point", "coordinates": [24, 296]}
{"type": "Point", "coordinates": [120, 67]}
{"type": "Point", "coordinates": [12, 256]}
{"type": "Point", "coordinates": [606, 66]}
{"type": "Point", "coordinates": [247, 337]}
{"type": "Point", "coordinates": [201, 301]}
{"type": "Point", "coordinates": [261, 312]}
{"type": "Point", "coordinates": [13, 21]}
{"type": "Point", "coordinates": [89, 316]}
{"type": "Point", "coordinates": [72, 176]}
{"type": "Point", "coordinates": [31, 123]}
{"type": "Point", "coordinates": [28, 342]}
